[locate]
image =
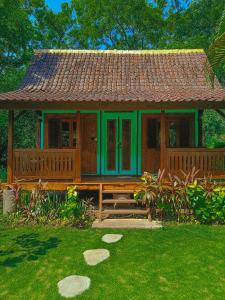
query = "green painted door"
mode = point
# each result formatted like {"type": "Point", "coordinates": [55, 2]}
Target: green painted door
{"type": "Point", "coordinates": [119, 143]}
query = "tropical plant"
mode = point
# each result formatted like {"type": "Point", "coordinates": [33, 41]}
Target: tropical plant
{"type": "Point", "coordinates": [216, 52]}
{"type": "Point", "coordinates": [32, 207]}
{"type": "Point", "coordinates": [166, 192]}
{"type": "Point", "coordinates": [208, 201]}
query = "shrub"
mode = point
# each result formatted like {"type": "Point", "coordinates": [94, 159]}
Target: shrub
{"type": "Point", "coordinates": [54, 208]}
{"type": "Point", "coordinates": [3, 174]}
{"type": "Point", "coordinates": [179, 196]}
{"type": "Point", "coordinates": [208, 202]}
{"type": "Point", "coordinates": [166, 193]}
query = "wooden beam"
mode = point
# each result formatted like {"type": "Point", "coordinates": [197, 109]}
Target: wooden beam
{"type": "Point", "coordinates": [38, 132]}
{"type": "Point", "coordinates": [78, 146]}
{"type": "Point", "coordinates": [78, 138]}
{"type": "Point", "coordinates": [10, 147]}
{"type": "Point", "coordinates": [110, 105]}
{"type": "Point", "coordinates": [162, 140]}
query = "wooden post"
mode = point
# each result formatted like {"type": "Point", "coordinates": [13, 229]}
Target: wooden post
{"type": "Point", "coordinates": [78, 147]}
{"type": "Point", "coordinates": [162, 140]}
{"type": "Point", "coordinates": [38, 132]}
{"type": "Point", "coordinates": [100, 202]}
{"type": "Point", "coordinates": [200, 133]}
{"type": "Point", "coordinates": [10, 146]}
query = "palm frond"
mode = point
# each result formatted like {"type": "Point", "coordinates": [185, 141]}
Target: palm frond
{"type": "Point", "coordinates": [216, 52]}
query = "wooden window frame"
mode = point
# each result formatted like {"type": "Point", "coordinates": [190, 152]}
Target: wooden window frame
{"type": "Point", "coordinates": [177, 117]}
{"type": "Point", "coordinates": [71, 118]}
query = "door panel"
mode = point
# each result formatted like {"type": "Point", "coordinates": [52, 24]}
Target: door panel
{"type": "Point", "coordinates": [125, 145]}
{"type": "Point", "coordinates": [150, 143]}
{"type": "Point", "coordinates": [111, 145]}
{"type": "Point", "coordinates": [89, 143]}
{"type": "Point", "coordinates": [119, 144]}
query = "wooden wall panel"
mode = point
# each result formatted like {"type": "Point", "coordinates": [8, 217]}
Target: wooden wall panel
{"type": "Point", "coordinates": [89, 143]}
{"type": "Point", "coordinates": [150, 156]}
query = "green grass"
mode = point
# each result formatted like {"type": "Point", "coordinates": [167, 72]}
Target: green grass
{"type": "Point", "coordinates": [177, 262]}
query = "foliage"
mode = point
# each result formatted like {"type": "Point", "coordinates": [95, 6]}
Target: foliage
{"type": "Point", "coordinates": [54, 208]}
{"type": "Point", "coordinates": [24, 131]}
{"type": "Point", "coordinates": [166, 193]}
{"type": "Point", "coordinates": [16, 33]}
{"type": "Point", "coordinates": [213, 129]}
{"type": "Point", "coordinates": [72, 207]}
{"type": "Point", "coordinates": [216, 51]}
{"type": "Point", "coordinates": [118, 24]}
{"type": "Point", "coordinates": [75, 209]}
{"type": "Point", "coordinates": [3, 175]}
{"type": "Point", "coordinates": [178, 195]}
{"type": "Point", "coordinates": [194, 26]}
{"type": "Point", "coordinates": [208, 202]}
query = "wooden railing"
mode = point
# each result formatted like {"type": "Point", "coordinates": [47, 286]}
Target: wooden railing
{"type": "Point", "coordinates": [207, 161]}
{"type": "Point", "coordinates": [47, 164]}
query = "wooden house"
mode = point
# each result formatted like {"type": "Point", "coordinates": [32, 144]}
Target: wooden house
{"type": "Point", "coordinates": [108, 116]}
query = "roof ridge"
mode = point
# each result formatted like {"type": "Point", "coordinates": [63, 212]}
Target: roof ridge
{"type": "Point", "coordinates": [115, 51]}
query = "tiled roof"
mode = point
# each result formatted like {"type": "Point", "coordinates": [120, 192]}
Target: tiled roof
{"type": "Point", "coordinates": [116, 75]}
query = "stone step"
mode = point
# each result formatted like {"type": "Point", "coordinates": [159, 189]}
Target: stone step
{"type": "Point", "coordinates": [126, 223]}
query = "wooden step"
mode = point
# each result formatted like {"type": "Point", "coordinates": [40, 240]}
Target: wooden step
{"type": "Point", "coordinates": [117, 192]}
{"type": "Point", "coordinates": [119, 201]}
{"type": "Point", "coordinates": [125, 211]}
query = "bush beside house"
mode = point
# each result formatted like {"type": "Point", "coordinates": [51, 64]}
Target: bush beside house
{"type": "Point", "coordinates": [184, 197]}
{"type": "Point", "coordinates": [181, 198]}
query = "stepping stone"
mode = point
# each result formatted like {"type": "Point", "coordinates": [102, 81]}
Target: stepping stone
{"type": "Point", "coordinates": [111, 238]}
{"type": "Point", "coordinates": [73, 285]}
{"type": "Point", "coordinates": [95, 256]}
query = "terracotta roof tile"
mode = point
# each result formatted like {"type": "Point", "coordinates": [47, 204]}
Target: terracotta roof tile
{"type": "Point", "coordinates": [89, 75]}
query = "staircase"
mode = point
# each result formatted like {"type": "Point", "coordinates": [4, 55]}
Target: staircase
{"type": "Point", "coordinates": [116, 199]}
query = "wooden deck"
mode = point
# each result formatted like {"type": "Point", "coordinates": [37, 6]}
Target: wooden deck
{"type": "Point", "coordinates": [87, 183]}
{"type": "Point", "coordinates": [65, 164]}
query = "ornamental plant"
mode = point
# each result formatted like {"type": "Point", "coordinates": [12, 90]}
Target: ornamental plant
{"type": "Point", "coordinates": [208, 201]}
{"type": "Point", "coordinates": [180, 195]}
{"type": "Point", "coordinates": [72, 207]}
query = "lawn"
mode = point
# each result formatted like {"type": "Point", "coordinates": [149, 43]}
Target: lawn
{"type": "Point", "coordinates": [177, 262]}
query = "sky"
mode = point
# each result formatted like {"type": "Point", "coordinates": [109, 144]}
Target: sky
{"type": "Point", "coordinates": [55, 4]}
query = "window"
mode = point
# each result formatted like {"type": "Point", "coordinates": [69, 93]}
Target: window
{"type": "Point", "coordinates": [153, 133]}
{"type": "Point", "coordinates": [62, 133]}
{"type": "Point", "coordinates": [179, 133]}
{"type": "Point", "coordinates": [53, 130]}
{"type": "Point", "coordinates": [184, 133]}
{"type": "Point", "coordinates": [173, 134]}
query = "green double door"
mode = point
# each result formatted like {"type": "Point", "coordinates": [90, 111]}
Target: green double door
{"type": "Point", "coordinates": [119, 143]}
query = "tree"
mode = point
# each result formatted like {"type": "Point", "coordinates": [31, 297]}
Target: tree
{"type": "Point", "coordinates": [119, 24]}
{"type": "Point", "coordinates": [216, 52]}
{"type": "Point", "coordinates": [194, 26]}
{"type": "Point", "coordinates": [52, 30]}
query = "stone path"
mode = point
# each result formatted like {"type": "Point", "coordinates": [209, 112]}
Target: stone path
{"type": "Point", "coordinates": [111, 238]}
{"type": "Point", "coordinates": [73, 285]}
{"type": "Point", "coordinates": [95, 256]}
